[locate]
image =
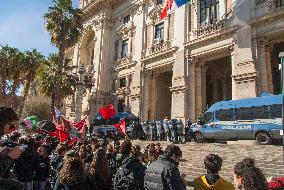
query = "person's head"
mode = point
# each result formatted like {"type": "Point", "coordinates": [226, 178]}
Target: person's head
{"type": "Point", "coordinates": [61, 149]}
{"type": "Point", "coordinates": [48, 140]}
{"type": "Point", "coordinates": [15, 136]}
{"type": "Point", "coordinates": [100, 166]}
{"type": "Point", "coordinates": [173, 152]}
{"type": "Point", "coordinates": [110, 148]}
{"type": "Point", "coordinates": [72, 171]}
{"type": "Point", "coordinates": [248, 177]}
{"type": "Point", "coordinates": [157, 146]}
{"type": "Point", "coordinates": [42, 151]}
{"type": "Point", "coordinates": [83, 152]}
{"type": "Point", "coordinates": [125, 147]}
{"type": "Point", "coordinates": [213, 163]}
{"type": "Point", "coordinates": [8, 120]}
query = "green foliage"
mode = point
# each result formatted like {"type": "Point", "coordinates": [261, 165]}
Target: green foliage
{"type": "Point", "coordinates": [36, 105]}
{"type": "Point", "coordinates": [63, 22]}
{"type": "Point", "coordinates": [47, 77]}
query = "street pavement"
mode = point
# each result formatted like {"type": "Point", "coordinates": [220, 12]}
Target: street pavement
{"type": "Point", "coordinates": [268, 158]}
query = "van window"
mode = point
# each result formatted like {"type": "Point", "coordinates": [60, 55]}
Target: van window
{"type": "Point", "coordinates": [224, 115]}
{"type": "Point", "coordinates": [276, 111]}
{"type": "Point", "coordinates": [206, 118]}
{"type": "Point", "coordinates": [251, 113]}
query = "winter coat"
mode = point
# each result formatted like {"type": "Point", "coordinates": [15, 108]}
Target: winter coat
{"type": "Point", "coordinates": [163, 174]}
{"type": "Point", "coordinates": [42, 169]}
{"type": "Point", "coordinates": [5, 163]}
{"type": "Point", "coordinates": [85, 185]}
{"type": "Point", "coordinates": [130, 176]}
{"type": "Point", "coordinates": [26, 165]}
{"type": "Point", "coordinates": [221, 184]}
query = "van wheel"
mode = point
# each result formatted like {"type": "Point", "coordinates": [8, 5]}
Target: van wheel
{"type": "Point", "coordinates": [198, 138]}
{"type": "Point", "coordinates": [263, 139]}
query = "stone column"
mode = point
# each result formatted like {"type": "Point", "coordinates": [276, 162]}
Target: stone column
{"type": "Point", "coordinates": [268, 51]}
{"type": "Point", "coordinates": [203, 85]}
{"type": "Point", "coordinates": [198, 90]}
{"type": "Point", "coordinates": [234, 69]}
{"type": "Point", "coordinates": [262, 69]}
{"type": "Point", "coordinates": [153, 93]}
{"type": "Point", "coordinates": [146, 96]}
{"type": "Point", "coordinates": [215, 85]}
{"type": "Point", "coordinates": [224, 89]}
{"type": "Point", "coordinates": [191, 86]}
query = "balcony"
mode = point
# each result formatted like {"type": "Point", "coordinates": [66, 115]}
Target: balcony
{"type": "Point", "coordinates": [123, 63]}
{"type": "Point", "coordinates": [208, 30]}
{"type": "Point", "coordinates": [158, 48]}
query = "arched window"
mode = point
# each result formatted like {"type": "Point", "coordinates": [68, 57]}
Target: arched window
{"type": "Point", "coordinates": [209, 12]}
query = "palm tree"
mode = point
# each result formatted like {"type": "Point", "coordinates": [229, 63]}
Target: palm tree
{"type": "Point", "coordinates": [10, 74]}
{"type": "Point", "coordinates": [47, 75]}
{"type": "Point", "coordinates": [31, 61]}
{"type": "Point", "coordinates": [64, 24]}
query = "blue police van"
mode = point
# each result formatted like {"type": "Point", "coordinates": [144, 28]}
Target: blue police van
{"type": "Point", "coordinates": [258, 118]}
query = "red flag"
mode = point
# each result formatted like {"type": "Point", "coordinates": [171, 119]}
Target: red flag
{"type": "Point", "coordinates": [121, 126]}
{"type": "Point", "coordinates": [168, 7]}
{"type": "Point", "coordinates": [108, 111]}
{"type": "Point", "coordinates": [81, 124]}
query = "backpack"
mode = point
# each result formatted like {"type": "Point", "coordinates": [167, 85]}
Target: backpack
{"type": "Point", "coordinates": [125, 179]}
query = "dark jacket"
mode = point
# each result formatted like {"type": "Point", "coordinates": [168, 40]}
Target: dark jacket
{"type": "Point", "coordinates": [86, 185]}
{"type": "Point", "coordinates": [5, 163]}
{"type": "Point", "coordinates": [163, 174]}
{"type": "Point", "coordinates": [42, 169]}
{"type": "Point", "coordinates": [25, 166]}
{"type": "Point", "coordinates": [130, 176]}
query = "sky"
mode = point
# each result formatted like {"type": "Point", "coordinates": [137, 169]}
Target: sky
{"type": "Point", "coordinates": [22, 25]}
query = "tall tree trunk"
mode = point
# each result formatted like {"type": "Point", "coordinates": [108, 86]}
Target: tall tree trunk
{"type": "Point", "coordinates": [25, 95]}
{"type": "Point", "coordinates": [58, 82]}
{"type": "Point", "coordinates": [4, 85]}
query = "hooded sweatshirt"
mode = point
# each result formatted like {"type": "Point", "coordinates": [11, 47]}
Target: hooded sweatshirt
{"type": "Point", "coordinates": [201, 183]}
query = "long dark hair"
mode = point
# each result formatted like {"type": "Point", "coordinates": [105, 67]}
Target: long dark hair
{"type": "Point", "coordinates": [72, 172]}
{"type": "Point", "coordinates": [100, 167]}
{"type": "Point", "coordinates": [253, 178]}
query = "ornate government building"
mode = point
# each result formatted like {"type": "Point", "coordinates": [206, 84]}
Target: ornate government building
{"type": "Point", "coordinates": [204, 52]}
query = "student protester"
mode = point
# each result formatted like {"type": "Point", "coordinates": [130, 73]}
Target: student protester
{"type": "Point", "coordinates": [212, 180]}
{"type": "Point", "coordinates": [100, 171]}
{"type": "Point", "coordinates": [248, 177]}
{"type": "Point", "coordinates": [164, 173]}
{"type": "Point", "coordinates": [72, 176]}
{"type": "Point", "coordinates": [42, 169]}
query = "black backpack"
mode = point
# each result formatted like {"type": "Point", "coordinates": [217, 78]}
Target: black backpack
{"type": "Point", "coordinates": [125, 179]}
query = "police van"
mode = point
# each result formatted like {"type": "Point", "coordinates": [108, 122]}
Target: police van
{"type": "Point", "coordinates": [258, 118]}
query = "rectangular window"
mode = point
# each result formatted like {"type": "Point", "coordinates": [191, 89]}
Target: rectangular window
{"type": "Point", "coordinates": [209, 12]}
{"type": "Point", "coordinates": [252, 113]}
{"type": "Point", "coordinates": [122, 82]}
{"type": "Point", "coordinates": [225, 115]}
{"type": "Point", "coordinates": [121, 106]}
{"type": "Point", "coordinates": [159, 2]}
{"type": "Point", "coordinates": [124, 50]}
{"type": "Point", "coordinates": [159, 31]}
{"type": "Point", "coordinates": [126, 19]}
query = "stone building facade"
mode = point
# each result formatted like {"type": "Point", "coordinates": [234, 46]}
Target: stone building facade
{"type": "Point", "coordinates": [204, 52]}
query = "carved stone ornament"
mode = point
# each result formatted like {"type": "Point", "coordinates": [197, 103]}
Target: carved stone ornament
{"type": "Point", "coordinates": [124, 91]}
{"type": "Point", "coordinates": [126, 30]}
{"type": "Point", "coordinates": [135, 92]}
{"type": "Point", "coordinates": [153, 16]}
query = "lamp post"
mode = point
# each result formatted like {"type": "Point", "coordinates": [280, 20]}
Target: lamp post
{"type": "Point", "coordinates": [281, 55]}
{"type": "Point", "coordinates": [84, 79]}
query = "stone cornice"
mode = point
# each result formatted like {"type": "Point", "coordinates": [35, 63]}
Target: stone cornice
{"type": "Point", "coordinates": [267, 18]}
{"type": "Point", "coordinates": [124, 63]}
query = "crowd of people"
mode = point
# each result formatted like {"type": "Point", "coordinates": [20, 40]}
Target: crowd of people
{"type": "Point", "coordinates": [34, 161]}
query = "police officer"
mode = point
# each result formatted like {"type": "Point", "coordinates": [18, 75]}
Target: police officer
{"type": "Point", "coordinates": [180, 129]}
{"type": "Point", "coordinates": [166, 128]}
{"type": "Point", "coordinates": [174, 131]}
{"type": "Point", "coordinates": [170, 122]}
{"type": "Point", "coordinates": [159, 130]}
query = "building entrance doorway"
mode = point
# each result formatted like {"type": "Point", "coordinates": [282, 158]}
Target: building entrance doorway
{"type": "Point", "coordinates": [275, 67]}
{"type": "Point", "coordinates": [218, 80]}
{"type": "Point", "coordinates": [164, 95]}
